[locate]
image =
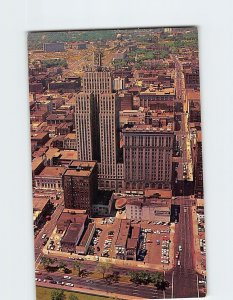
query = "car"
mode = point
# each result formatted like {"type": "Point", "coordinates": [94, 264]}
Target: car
{"type": "Point", "coordinates": [43, 236]}
{"type": "Point", "coordinates": [49, 278]}
{"type": "Point", "coordinates": [44, 243]}
{"type": "Point", "coordinates": [158, 242]}
{"type": "Point", "coordinates": [180, 248]}
{"type": "Point", "coordinates": [53, 282]}
{"type": "Point", "coordinates": [67, 277]}
{"type": "Point", "coordinates": [69, 284]}
{"type": "Point", "coordinates": [201, 282]}
{"type": "Point", "coordinates": [38, 272]}
{"type": "Point", "coordinates": [178, 262]}
{"type": "Point", "coordinates": [177, 255]}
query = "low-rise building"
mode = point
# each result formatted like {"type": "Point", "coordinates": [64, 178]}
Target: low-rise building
{"type": "Point", "coordinates": [41, 207]}
{"type": "Point", "coordinates": [70, 141]}
{"type": "Point", "coordinates": [72, 237]}
{"type": "Point", "coordinates": [148, 209]}
{"type": "Point", "coordinates": [40, 138]}
{"type": "Point", "coordinates": [70, 216]}
{"type": "Point", "coordinates": [158, 98]}
{"type": "Point", "coordinates": [84, 244]}
{"type": "Point", "coordinates": [50, 178]}
{"type": "Point", "coordinates": [121, 242]}
{"type": "Point", "coordinates": [133, 244]}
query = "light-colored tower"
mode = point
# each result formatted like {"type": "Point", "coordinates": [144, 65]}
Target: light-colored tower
{"type": "Point", "coordinates": [84, 119]}
{"type": "Point", "coordinates": [97, 127]}
{"type": "Point", "coordinates": [109, 141]}
{"type": "Point", "coordinates": [97, 82]}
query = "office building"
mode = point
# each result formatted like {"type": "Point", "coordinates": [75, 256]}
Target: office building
{"type": "Point", "coordinates": [109, 141]}
{"type": "Point", "coordinates": [97, 127]}
{"type": "Point", "coordinates": [147, 157]}
{"type": "Point", "coordinates": [80, 185]}
{"type": "Point", "coordinates": [85, 121]}
{"type": "Point", "coordinates": [97, 82]}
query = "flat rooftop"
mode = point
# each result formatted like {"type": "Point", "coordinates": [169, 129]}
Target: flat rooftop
{"type": "Point", "coordinates": [52, 152]}
{"type": "Point", "coordinates": [39, 135]}
{"type": "Point", "coordinates": [80, 168]}
{"type": "Point", "coordinates": [72, 217]}
{"type": "Point", "coordinates": [39, 203]}
{"type": "Point", "coordinates": [164, 193]}
{"type": "Point", "coordinates": [72, 233]}
{"type": "Point", "coordinates": [87, 233]}
{"type": "Point", "coordinates": [147, 128]}
{"type": "Point", "coordinates": [69, 154]}
{"type": "Point", "coordinates": [71, 136]}
{"type": "Point", "coordinates": [159, 92]}
{"type": "Point", "coordinates": [193, 94]}
{"type": "Point", "coordinates": [123, 233]}
{"type": "Point", "coordinates": [52, 171]}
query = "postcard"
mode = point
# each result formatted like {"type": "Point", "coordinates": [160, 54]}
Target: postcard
{"type": "Point", "coordinates": [117, 176]}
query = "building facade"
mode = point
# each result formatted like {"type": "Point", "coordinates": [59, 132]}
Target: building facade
{"type": "Point", "coordinates": [147, 157]}
{"type": "Point", "coordinates": [80, 185]}
{"type": "Point", "coordinates": [97, 123]}
{"type": "Point", "coordinates": [109, 141]}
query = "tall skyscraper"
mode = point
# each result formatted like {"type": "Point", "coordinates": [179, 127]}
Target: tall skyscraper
{"type": "Point", "coordinates": [97, 82]}
{"type": "Point", "coordinates": [84, 118]}
{"type": "Point", "coordinates": [97, 126]}
{"type": "Point", "coordinates": [147, 157]}
{"type": "Point", "coordinates": [109, 141]}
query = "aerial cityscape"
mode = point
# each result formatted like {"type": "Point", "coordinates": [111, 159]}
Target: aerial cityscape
{"type": "Point", "coordinates": [116, 150]}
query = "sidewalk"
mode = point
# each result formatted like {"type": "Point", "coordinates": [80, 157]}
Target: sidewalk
{"type": "Point", "coordinates": [197, 253]}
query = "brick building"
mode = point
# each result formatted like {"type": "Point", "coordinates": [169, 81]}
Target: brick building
{"type": "Point", "coordinates": [147, 157]}
{"type": "Point", "coordinates": [80, 185]}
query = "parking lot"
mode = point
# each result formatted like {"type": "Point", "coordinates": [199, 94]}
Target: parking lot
{"type": "Point", "coordinates": [155, 243]}
{"type": "Point", "coordinates": [154, 246]}
{"type": "Point", "coordinates": [105, 238]}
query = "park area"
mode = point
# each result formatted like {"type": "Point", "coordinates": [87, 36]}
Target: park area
{"type": "Point", "coordinates": [47, 294]}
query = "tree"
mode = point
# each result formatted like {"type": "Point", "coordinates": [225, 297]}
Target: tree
{"type": "Point", "coordinates": [134, 277]}
{"type": "Point", "coordinates": [73, 297]}
{"type": "Point", "coordinates": [144, 277]}
{"type": "Point", "coordinates": [58, 295]}
{"type": "Point", "coordinates": [77, 265]}
{"type": "Point", "coordinates": [62, 265]}
{"type": "Point", "coordinates": [159, 281]}
{"type": "Point", "coordinates": [103, 268]}
{"type": "Point", "coordinates": [47, 261]}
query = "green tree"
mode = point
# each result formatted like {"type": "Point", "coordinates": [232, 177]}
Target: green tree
{"type": "Point", "coordinates": [134, 276]}
{"type": "Point", "coordinates": [62, 265]}
{"type": "Point", "coordinates": [77, 265]}
{"type": "Point", "coordinates": [47, 261]}
{"type": "Point", "coordinates": [159, 281]}
{"type": "Point", "coordinates": [58, 295]}
{"type": "Point", "coordinates": [103, 268]}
